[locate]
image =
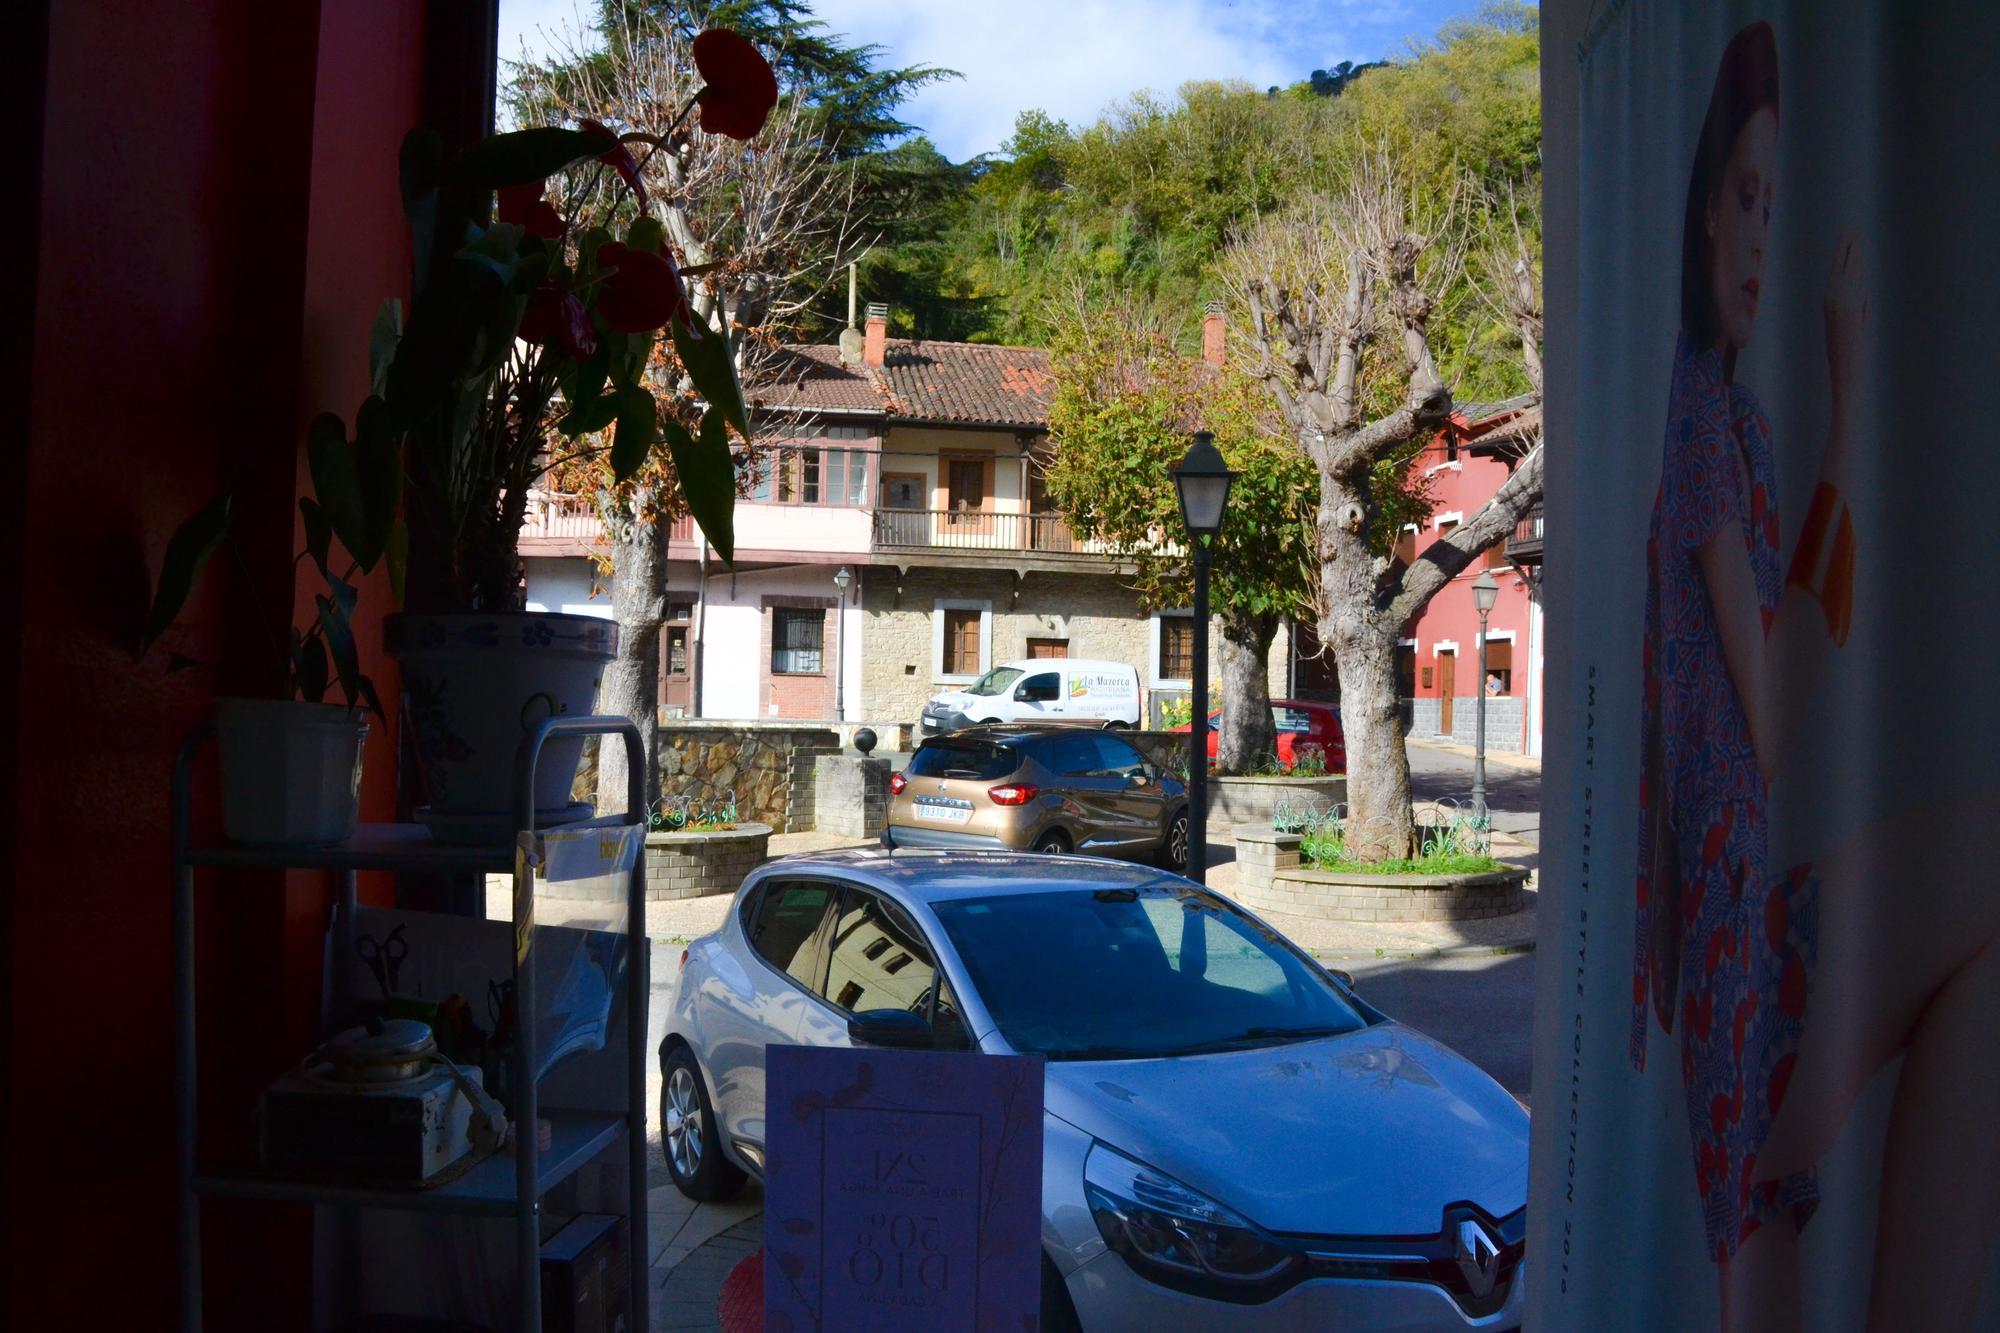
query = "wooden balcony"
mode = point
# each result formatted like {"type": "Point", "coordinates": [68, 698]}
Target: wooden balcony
{"type": "Point", "coordinates": [1524, 547]}
{"type": "Point", "coordinates": [567, 525]}
{"type": "Point", "coordinates": [978, 537]}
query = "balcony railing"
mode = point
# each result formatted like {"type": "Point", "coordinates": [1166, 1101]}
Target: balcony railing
{"type": "Point", "coordinates": [1525, 546]}
{"type": "Point", "coordinates": [979, 530]}
{"type": "Point", "coordinates": [553, 516]}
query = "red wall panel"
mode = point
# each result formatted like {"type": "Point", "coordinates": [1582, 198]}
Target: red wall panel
{"type": "Point", "coordinates": [216, 216]}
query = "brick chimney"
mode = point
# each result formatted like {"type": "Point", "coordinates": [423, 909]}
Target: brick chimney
{"type": "Point", "coordinates": [876, 347]}
{"type": "Point", "coordinates": [1211, 334]}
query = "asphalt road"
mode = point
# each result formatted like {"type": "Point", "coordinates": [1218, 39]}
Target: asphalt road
{"type": "Point", "coordinates": [1513, 796]}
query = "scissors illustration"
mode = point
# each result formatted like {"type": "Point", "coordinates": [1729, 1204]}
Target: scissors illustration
{"type": "Point", "coordinates": [384, 958]}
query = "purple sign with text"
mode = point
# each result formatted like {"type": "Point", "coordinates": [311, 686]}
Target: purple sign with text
{"type": "Point", "coordinates": [903, 1190]}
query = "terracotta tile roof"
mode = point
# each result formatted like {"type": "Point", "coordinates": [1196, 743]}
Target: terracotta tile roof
{"type": "Point", "coordinates": [969, 384]}
{"type": "Point", "coordinates": [810, 378]}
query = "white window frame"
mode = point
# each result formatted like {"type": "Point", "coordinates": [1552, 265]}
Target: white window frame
{"type": "Point", "coordinates": [938, 608]}
{"type": "Point", "coordinates": [1444, 646]}
{"type": "Point", "coordinates": [1439, 520]}
{"type": "Point", "coordinates": [1153, 677]}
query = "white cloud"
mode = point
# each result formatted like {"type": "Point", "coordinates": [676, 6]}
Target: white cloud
{"type": "Point", "coordinates": [1068, 57]}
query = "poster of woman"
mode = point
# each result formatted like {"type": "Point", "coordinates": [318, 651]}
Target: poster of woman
{"type": "Point", "coordinates": [1770, 1050]}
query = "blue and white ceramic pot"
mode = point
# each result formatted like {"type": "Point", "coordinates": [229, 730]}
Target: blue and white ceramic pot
{"type": "Point", "coordinates": [473, 686]}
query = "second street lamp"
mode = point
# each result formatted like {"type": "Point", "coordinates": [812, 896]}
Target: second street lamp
{"type": "Point", "coordinates": [1202, 481]}
{"type": "Point", "coordinates": [1484, 590]}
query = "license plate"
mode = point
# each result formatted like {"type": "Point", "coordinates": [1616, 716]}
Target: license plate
{"type": "Point", "coordinates": [945, 814]}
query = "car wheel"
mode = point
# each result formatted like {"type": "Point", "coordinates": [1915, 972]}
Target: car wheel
{"type": "Point", "coordinates": [689, 1136]}
{"type": "Point", "coordinates": [1174, 847]}
{"type": "Point", "coordinates": [1053, 843]}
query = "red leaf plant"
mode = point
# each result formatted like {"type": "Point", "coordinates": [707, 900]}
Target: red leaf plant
{"type": "Point", "coordinates": [643, 292]}
{"type": "Point", "coordinates": [524, 206]}
{"type": "Point", "coordinates": [741, 87]}
{"type": "Point", "coordinates": [556, 317]}
{"type": "Point", "coordinates": [619, 158]}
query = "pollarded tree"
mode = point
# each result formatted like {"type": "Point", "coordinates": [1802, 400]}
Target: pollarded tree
{"type": "Point", "coordinates": [761, 225]}
{"type": "Point", "coordinates": [1125, 403]}
{"type": "Point", "coordinates": [1344, 296]}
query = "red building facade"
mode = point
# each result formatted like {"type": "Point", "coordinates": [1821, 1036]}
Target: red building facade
{"type": "Point", "coordinates": [1439, 656]}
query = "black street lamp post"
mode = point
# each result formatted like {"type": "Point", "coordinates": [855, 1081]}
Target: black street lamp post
{"type": "Point", "coordinates": [1484, 590]}
{"type": "Point", "coordinates": [1202, 481]}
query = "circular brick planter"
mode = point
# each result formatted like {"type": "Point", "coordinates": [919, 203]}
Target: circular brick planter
{"type": "Point", "coordinates": [1255, 800]}
{"type": "Point", "coordinates": [686, 865]}
{"type": "Point", "coordinates": [1270, 878]}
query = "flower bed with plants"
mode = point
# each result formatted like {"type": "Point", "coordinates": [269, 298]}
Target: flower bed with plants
{"type": "Point", "coordinates": [1310, 860]}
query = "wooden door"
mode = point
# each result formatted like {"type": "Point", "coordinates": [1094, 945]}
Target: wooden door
{"type": "Point", "coordinates": [966, 493]}
{"type": "Point", "coordinates": [677, 657]}
{"type": "Point", "coordinates": [1039, 649]}
{"type": "Point", "coordinates": [1447, 680]}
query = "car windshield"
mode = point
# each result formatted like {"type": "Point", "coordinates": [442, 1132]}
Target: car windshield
{"type": "Point", "coordinates": [962, 759]}
{"type": "Point", "coordinates": [995, 681]}
{"type": "Point", "coordinates": [1137, 973]}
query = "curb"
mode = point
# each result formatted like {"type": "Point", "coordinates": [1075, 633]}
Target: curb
{"type": "Point", "coordinates": [1405, 955]}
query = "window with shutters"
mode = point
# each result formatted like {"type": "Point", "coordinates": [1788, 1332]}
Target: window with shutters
{"type": "Point", "coordinates": [798, 640]}
{"type": "Point", "coordinates": [961, 643]}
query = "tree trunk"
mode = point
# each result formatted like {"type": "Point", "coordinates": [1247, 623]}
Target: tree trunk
{"type": "Point", "coordinates": [639, 605]}
{"type": "Point", "coordinates": [1356, 624]}
{"type": "Point", "coordinates": [1380, 823]}
{"type": "Point", "coordinates": [1247, 737]}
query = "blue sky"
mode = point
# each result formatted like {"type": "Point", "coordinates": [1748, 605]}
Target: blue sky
{"type": "Point", "coordinates": [1074, 57]}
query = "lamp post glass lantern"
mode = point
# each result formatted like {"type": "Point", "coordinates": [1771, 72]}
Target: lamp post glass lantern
{"type": "Point", "coordinates": [1202, 482]}
{"type": "Point", "coordinates": [840, 580]}
{"type": "Point", "coordinates": [1484, 592]}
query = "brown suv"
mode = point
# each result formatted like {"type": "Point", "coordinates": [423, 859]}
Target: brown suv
{"type": "Point", "coordinates": [1052, 789]}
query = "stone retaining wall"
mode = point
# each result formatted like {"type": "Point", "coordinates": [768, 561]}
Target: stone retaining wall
{"type": "Point", "coordinates": [1269, 878]}
{"type": "Point", "coordinates": [768, 769]}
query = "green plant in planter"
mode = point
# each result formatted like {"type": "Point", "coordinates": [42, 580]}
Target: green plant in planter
{"type": "Point", "coordinates": [312, 659]}
{"type": "Point", "coordinates": [520, 321]}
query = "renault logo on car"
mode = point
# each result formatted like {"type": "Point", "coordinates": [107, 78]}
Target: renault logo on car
{"type": "Point", "coordinates": [1478, 1257]}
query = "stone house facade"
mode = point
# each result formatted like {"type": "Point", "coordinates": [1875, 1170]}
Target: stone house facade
{"type": "Point", "coordinates": [909, 467]}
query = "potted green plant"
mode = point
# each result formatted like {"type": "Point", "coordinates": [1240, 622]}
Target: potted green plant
{"type": "Point", "coordinates": [522, 323]}
{"type": "Point", "coordinates": [291, 764]}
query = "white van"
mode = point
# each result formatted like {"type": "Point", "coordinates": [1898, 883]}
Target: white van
{"type": "Point", "coordinates": [1049, 689]}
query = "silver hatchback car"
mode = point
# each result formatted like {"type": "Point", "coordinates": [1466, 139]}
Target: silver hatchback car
{"type": "Point", "coordinates": [1232, 1137]}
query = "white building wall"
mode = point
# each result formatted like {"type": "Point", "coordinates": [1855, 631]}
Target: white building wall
{"type": "Point", "coordinates": [567, 585]}
{"type": "Point", "coordinates": [851, 651]}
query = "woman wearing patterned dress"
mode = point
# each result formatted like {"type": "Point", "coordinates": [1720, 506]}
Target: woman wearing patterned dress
{"type": "Point", "coordinates": [1793, 986]}
{"type": "Point", "coordinates": [1726, 945]}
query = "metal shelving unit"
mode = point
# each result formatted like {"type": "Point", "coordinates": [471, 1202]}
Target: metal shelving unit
{"type": "Point", "coordinates": [504, 1184]}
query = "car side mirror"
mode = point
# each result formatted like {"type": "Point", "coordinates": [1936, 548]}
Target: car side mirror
{"type": "Point", "coordinates": [1344, 978]}
{"type": "Point", "coordinates": [890, 1027]}
{"type": "Point", "coordinates": [1138, 779]}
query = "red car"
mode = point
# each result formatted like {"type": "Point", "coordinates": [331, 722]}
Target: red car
{"type": "Point", "coordinates": [1298, 722]}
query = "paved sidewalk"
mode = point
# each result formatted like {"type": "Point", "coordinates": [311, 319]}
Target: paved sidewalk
{"type": "Point", "coordinates": [1526, 763]}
